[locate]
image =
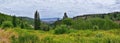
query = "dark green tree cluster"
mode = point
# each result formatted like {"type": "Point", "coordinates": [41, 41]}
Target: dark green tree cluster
{"type": "Point", "coordinates": [7, 24]}
{"type": "Point", "coordinates": [7, 20]}
{"type": "Point", "coordinates": [61, 29]}
{"type": "Point", "coordinates": [14, 21]}
{"type": "Point", "coordinates": [37, 21]}
{"type": "Point", "coordinates": [65, 16]}
{"type": "Point", "coordinates": [4, 17]}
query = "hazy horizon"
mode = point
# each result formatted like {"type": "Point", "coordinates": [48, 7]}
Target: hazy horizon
{"type": "Point", "coordinates": [56, 8]}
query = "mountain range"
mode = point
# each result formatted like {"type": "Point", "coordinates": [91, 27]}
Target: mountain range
{"type": "Point", "coordinates": [46, 20]}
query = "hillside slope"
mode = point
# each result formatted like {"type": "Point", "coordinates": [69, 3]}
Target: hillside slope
{"type": "Point", "coordinates": [5, 17]}
{"type": "Point", "coordinates": [113, 16]}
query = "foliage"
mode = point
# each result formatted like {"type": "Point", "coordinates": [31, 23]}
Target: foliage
{"type": "Point", "coordinates": [61, 29]}
{"type": "Point", "coordinates": [22, 25]}
{"type": "Point", "coordinates": [14, 21]}
{"type": "Point", "coordinates": [81, 24]}
{"type": "Point", "coordinates": [45, 27]}
{"type": "Point", "coordinates": [24, 37]}
{"type": "Point", "coordinates": [94, 23]}
{"type": "Point", "coordinates": [65, 16]}
{"type": "Point", "coordinates": [113, 16]}
{"type": "Point", "coordinates": [95, 27]}
{"type": "Point", "coordinates": [26, 26]}
{"type": "Point", "coordinates": [4, 17]}
{"type": "Point", "coordinates": [37, 21]}
{"type": "Point", "coordinates": [67, 21]}
{"type": "Point", "coordinates": [80, 36]}
{"type": "Point", "coordinates": [7, 24]}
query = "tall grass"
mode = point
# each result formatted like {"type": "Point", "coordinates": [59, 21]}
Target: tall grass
{"type": "Point", "coordinates": [75, 36]}
{"type": "Point", "coordinates": [25, 36]}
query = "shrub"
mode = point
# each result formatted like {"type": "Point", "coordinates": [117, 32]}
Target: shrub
{"type": "Point", "coordinates": [45, 27]}
{"type": "Point", "coordinates": [27, 26]}
{"type": "Point", "coordinates": [7, 24]}
{"type": "Point", "coordinates": [95, 27]}
{"type": "Point", "coordinates": [81, 24]}
{"type": "Point", "coordinates": [67, 21]}
{"type": "Point", "coordinates": [61, 29]}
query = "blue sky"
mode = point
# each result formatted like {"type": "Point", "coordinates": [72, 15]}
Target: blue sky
{"type": "Point", "coordinates": [56, 8]}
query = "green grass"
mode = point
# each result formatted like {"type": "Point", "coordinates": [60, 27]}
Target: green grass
{"type": "Point", "coordinates": [76, 36]}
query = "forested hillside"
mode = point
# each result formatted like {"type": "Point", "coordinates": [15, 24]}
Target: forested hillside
{"type": "Point", "coordinates": [115, 16]}
{"type": "Point", "coordinates": [92, 28]}
{"type": "Point", "coordinates": [91, 21]}
{"type": "Point", "coordinates": [19, 21]}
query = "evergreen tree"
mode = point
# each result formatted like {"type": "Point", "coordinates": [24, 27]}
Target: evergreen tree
{"type": "Point", "coordinates": [65, 16]}
{"type": "Point", "coordinates": [21, 23]}
{"type": "Point", "coordinates": [14, 21]}
{"type": "Point", "coordinates": [36, 21]}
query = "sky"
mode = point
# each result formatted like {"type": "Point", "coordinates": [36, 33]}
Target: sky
{"type": "Point", "coordinates": [56, 8]}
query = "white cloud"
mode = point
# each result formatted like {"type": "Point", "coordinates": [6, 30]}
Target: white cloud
{"type": "Point", "coordinates": [104, 2]}
{"type": "Point", "coordinates": [56, 8]}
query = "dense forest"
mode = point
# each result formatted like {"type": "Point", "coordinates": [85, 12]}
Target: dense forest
{"type": "Point", "coordinates": [89, 28]}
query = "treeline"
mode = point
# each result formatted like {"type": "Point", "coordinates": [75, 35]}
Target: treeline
{"type": "Point", "coordinates": [92, 21]}
{"type": "Point", "coordinates": [8, 21]}
{"type": "Point", "coordinates": [113, 16]}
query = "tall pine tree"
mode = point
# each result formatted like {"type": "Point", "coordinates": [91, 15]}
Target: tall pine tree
{"type": "Point", "coordinates": [65, 16]}
{"type": "Point", "coordinates": [14, 21]}
{"type": "Point", "coordinates": [37, 21]}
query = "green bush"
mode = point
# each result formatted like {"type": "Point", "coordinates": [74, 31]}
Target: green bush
{"type": "Point", "coordinates": [95, 27]}
{"type": "Point", "coordinates": [67, 21]}
{"type": "Point", "coordinates": [61, 29]}
{"type": "Point", "coordinates": [81, 24]}
{"type": "Point", "coordinates": [7, 24]}
{"type": "Point", "coordinates": [25, 25]}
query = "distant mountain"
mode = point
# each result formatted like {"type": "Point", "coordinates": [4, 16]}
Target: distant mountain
{"type": "Point", "coordinates": [28, 19]}
{"type": "Point", "coordinates": [45, 20]}
{"type": "Point", "coordinates": [49, 20]}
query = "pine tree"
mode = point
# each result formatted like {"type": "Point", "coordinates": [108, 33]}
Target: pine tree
{"type": "Point", "coordinates": [65, 16]}
{"type": "Point", "coordinates": [14, 21]}
{"type": "Point", "coordinates": [21, 23]}
{"type": "Point", "coordinates": [36, 21]}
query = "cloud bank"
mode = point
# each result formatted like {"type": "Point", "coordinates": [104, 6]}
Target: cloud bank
{"type": "Point", "coordinates": [56, 8]}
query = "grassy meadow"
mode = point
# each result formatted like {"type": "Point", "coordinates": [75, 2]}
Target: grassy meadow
{"type": "Point", "coordinates": [75, 36]}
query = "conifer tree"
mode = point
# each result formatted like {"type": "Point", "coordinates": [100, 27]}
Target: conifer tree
{"type": "Point", "coordinates": [21, 23]}
{"type": "Point", "coordinates": [14, 21]}
{"type": "Point", "coordinates": [37, 21]}
{"type": "Point", "coordinates": [65, 16]}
